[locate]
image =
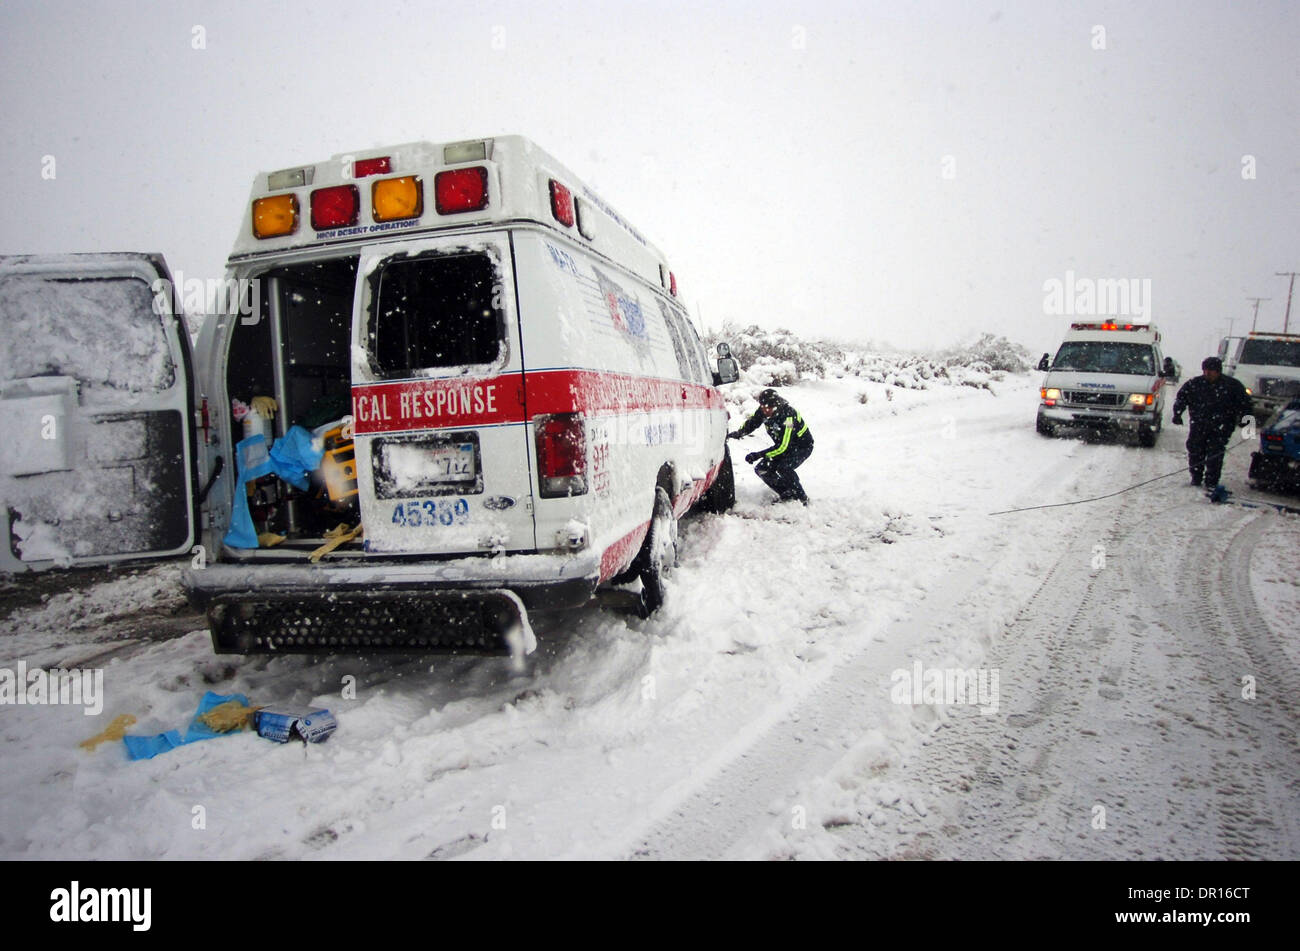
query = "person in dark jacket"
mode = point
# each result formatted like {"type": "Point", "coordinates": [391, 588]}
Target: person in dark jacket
{"type": "Point", "coordinates": [792, 443]}
{"type": "Point", "coordinates": [1217, 404]}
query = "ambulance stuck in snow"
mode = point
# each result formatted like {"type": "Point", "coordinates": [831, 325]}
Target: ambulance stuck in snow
{"type": "Point", "coordinates": [1106, 377]}
{"type": "Point", "coordinates": [455, 386]}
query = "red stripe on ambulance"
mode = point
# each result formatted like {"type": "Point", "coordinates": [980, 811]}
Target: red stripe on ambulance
{"type": "Point", "coordinates": [595, 394]}
{"type": "Point", "coordinates": [437, 404]}
{"type": "Point", "coordinates": [408, 405]}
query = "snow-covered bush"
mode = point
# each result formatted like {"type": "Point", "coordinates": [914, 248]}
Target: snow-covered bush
{"type": "Point", "coordinates": [753, 346]}
{"type": "Point", "coordinates": [994, 353]}
{"type": "Point", "coordinates": [779, 358]}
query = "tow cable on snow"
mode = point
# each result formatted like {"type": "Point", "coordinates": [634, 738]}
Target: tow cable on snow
{"type": "Point", "coordinates": [1219, 495]}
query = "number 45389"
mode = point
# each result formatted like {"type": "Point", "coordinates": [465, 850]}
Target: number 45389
{"type": "Point", "coordinates": [428, 512]}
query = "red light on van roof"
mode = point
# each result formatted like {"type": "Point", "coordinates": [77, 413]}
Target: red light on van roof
{"type": "Point", "coordinates": [460, 189]}
{"type": "Point", "coordinates": [562, 204]}
{"type": "Point", "coordinates": [371, 166]}
{"type": "Point", "coordinates": [672, 283]}
{"type": "Point", "coordinates": [334, 207]}
{"type": "Point", "coordinates": [1109, 325]}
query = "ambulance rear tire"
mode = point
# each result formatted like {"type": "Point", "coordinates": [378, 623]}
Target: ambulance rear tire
{"type": "Point", "coordinates": [721, 496]}
{"type": "Point", "coordinates": [658, 554]}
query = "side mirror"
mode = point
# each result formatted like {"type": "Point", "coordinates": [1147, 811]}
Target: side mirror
{"type": "Point", "coordinates": [1045, 363]}
{"type": "Point", "coordinates": [724, 350]}
{"type": "Point", "coordinates": [728, 370]}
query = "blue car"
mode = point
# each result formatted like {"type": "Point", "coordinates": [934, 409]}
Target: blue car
{"type": "Point", "coordinates": [1277, 464]}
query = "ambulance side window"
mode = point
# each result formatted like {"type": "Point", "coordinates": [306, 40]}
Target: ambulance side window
{"type": "Point", "coordinates": [673, 322]}
{"type": "Point", "coordinates": [695, 348]}
{"type": "Point", "coordinates": [434, 312]}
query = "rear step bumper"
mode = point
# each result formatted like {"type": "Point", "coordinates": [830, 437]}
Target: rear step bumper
{"type": "Point", "coordinates": [462, 606]}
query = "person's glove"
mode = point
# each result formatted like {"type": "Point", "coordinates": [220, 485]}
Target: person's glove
{"type": "Point", "coordinates": [735, 435]}
{"type": "Point", "coordinates": [1178, 419]}
{"type": "Point", "coordinates": [265, 406]}
{"type": "Point", "coordinates": [754, 457]}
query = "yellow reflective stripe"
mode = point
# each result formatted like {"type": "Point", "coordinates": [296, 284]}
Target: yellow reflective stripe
{"type": "Point", "coordinates": [799, 416]}
{"type": "Point", "coordinates": [785, 440]}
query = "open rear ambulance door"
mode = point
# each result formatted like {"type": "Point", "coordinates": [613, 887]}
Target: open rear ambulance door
{"type": "Point", "coordinates": [97, 460]}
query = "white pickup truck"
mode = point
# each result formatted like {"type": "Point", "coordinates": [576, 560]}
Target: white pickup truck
{"type": "Point", "coordinates": [1267, 365]}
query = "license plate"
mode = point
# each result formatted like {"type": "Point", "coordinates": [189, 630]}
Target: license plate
{"type": "Point", "coordinates": [451, 463]}
{"type": "Point", "coordinates": [410, 465]}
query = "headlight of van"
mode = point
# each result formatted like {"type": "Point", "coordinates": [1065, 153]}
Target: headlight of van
{"type": "Point", "coordinates": [1051, 393]}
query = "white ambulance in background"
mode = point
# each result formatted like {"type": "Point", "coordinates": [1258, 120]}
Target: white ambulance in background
{"type": "Point", "coordinates": [530, 408]}
{"type": "Point", "coordinates": [1106, 376]}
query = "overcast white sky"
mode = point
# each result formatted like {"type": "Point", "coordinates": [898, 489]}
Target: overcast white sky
{"type": "Point", "coordinates": [789, 158]}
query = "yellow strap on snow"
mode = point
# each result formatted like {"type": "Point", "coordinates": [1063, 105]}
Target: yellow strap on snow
{"type": "Point", "coordinates": [337, 536]}
{"type": "Point", "coordinates": [116, 730]}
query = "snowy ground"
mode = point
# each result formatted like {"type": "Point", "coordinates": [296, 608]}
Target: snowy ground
{"type": "Point", "coordinates": [754, 717]}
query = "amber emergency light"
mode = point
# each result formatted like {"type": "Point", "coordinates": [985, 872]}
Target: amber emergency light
{"type": "Point", "coordinates": [275, 215]}
{"type": "Point", "coordinates": [393, 199]}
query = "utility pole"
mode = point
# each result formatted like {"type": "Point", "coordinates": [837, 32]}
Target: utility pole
{"type": "Point", "coordinates": [1286, 321]}
{"type": "Point", "coordinates": [1254, 319]}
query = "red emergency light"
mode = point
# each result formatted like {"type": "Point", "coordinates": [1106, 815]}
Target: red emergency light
{"type": "Point", "coordinates": [459, 190]}
{"type": "Point", "coordinates": [334, 207]}
{"type": "Point", "coordinates": [1110, 325]}
{"type": "Point", "coordinates": [562, 204]}
{"type": "Point", "coordinates": [372, 166]}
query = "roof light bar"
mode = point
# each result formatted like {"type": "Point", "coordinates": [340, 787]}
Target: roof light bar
{"type": "Point", "coordinates": [1109, 325]}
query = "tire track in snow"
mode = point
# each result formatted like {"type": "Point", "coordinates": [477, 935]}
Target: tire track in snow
{"type": "Point", "coordinates": [745, 787]}
{"type": "Point", "coordinates": [1180, 764]}
{"type": "Point", "coordinates": [1256, 796]}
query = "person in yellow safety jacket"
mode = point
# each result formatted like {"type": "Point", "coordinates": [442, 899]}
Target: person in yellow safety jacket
{"type": "Point", "coordinates": [792, 443]}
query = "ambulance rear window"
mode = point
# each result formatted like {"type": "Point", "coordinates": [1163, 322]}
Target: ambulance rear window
{"type": "Point", "coordinates": [435, 312]}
